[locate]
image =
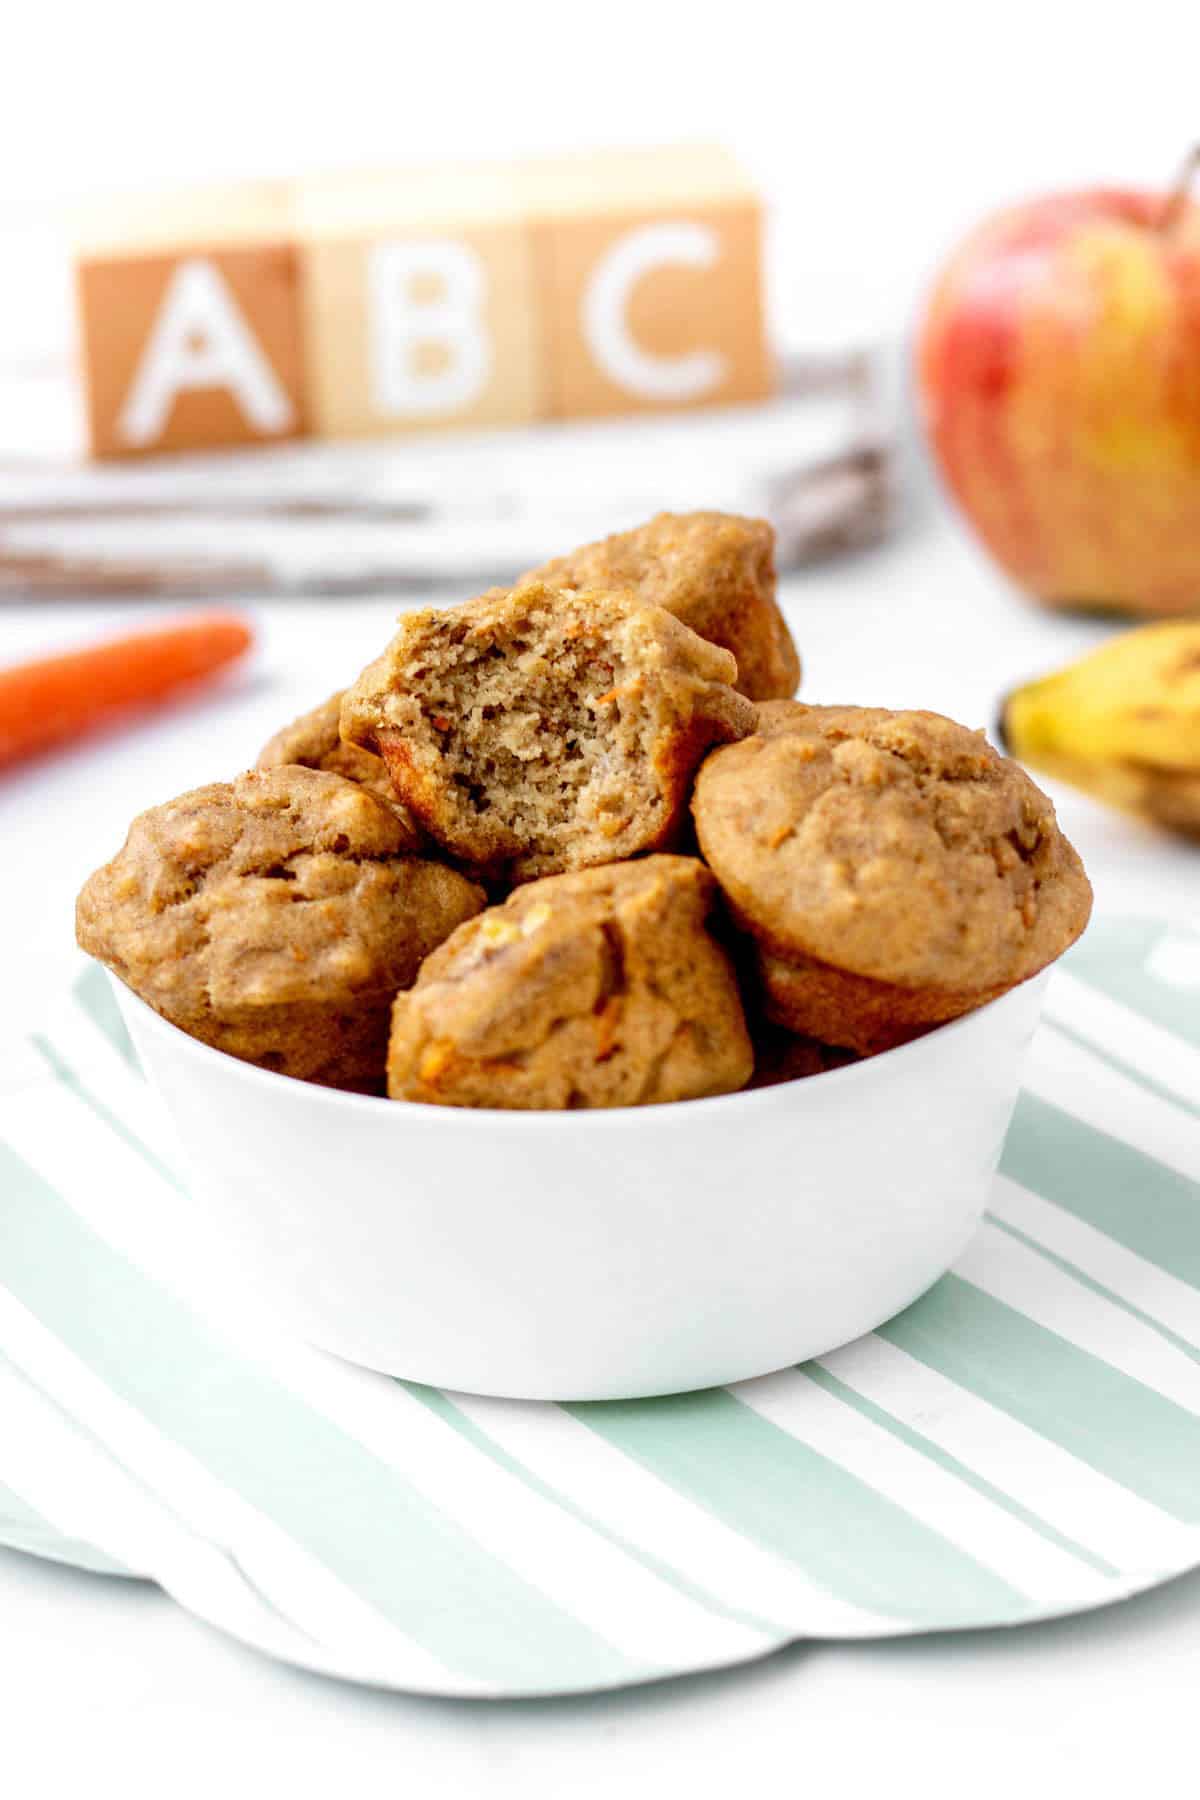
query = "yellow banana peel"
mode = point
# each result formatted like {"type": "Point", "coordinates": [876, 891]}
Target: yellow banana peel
{"type": "Point", "coordinates": [1122, 724]}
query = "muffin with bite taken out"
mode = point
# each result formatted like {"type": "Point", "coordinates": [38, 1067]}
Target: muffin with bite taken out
{"type": "Point", "coordinates": [538, 730]}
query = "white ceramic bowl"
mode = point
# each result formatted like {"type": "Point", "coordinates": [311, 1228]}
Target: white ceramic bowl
{"type": "Point", "coordinates": [597, 1255]}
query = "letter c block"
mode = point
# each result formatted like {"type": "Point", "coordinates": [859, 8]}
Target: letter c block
{"type": "Point", "coordinates": [650, 280]}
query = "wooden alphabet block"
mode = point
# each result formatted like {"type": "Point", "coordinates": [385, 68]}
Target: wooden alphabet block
{"type": "Point", "coordinates": [423, 298]}
{"type": "Point", "coordinates": [649, 268]}
{"type": "Point", "coordinates": [190, 321]}
{"type": "Point", "coordinates": [419, 304]}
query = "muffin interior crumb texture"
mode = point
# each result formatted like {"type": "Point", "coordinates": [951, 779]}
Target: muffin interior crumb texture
{"type": "Point", "coordinates": [541, 716]}
{"type": "Point", "coordinates": [530, 721]}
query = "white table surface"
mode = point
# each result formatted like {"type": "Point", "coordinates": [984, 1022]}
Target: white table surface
{"type": "Point", "coordinates": [104, 1681]}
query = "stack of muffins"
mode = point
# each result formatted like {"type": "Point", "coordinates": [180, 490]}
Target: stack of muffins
{"type": "Point", "coordinates": [574, 844]}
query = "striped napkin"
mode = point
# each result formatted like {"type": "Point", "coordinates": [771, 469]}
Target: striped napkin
{"type": "Point", "coordinates": [1024, 1441]}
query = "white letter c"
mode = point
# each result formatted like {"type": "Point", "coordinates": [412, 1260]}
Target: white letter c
{"type": "Point", "coordinates": [607, 295]}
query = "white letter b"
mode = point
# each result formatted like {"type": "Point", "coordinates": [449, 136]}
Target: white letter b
{"type": "Point", "coordinates": [403, 323]}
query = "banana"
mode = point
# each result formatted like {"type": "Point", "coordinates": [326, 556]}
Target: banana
{"type": "Point", "coordinates": [1122, 724]}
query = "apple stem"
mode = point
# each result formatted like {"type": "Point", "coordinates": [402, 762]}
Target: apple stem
{"type": "Point", "coordinates": [1177, 199]}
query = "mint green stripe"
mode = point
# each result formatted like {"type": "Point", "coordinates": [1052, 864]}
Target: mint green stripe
{"type": "Point", "coordinates": [1098, 1287]}
{"type": "Point", "coordinates": [1124, 1193]}
{"type": "Point", "coordinates": [781, 1494]}
{"type": "Point", "coordinates": [362, 1519]}
{"type": "Point", "coordinates": [1099, 1414]}
{"type": "Point", "coordinates": [22, 1527]}
{"type": "Point", "coordinates": [1106, 1054]}
{"type": "Point", "coordinates": [132, 1476]}
{"type": "Point", "coordinates": [93, 990]}
{"type": "Point", "coordinates": [917, 1440]}
{"type": "Point", "coordinates": [1112, 957]}
{"type": "Point", "coordinates": [439, 1403]}
{"type": "Point", "coordinates": [67, 1075]}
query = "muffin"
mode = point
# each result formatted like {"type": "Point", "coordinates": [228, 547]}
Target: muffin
{"type": "Point", "coordinates": [600, 988]}
{"type": "Point", "coordinates": [893, 869]}
{"type": "Point", "coordinates": [274, 917]}
{"type": "Point", "coordinates": [535, 731]}
{"type": "Point", "coordinates": [313, 741]}
{"type": "Point", "coordinates": [715, 572]}
{"type": "Point", "coordinates": [781, 1055]}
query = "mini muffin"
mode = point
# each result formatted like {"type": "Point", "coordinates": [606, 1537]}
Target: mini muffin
{"type": "Point", "coordinates": [599, 988]}
{"type": "Point", "coordinates": [780, 1055]}
{"type": "Point", "coordinates": [313, 741]}
{"type": "Point", "coordinates": [535, 731]}
{"type": "Point", "coordinates": [715, 572]}
{"type": "Point", "coordinates": [274, 917]}
{"type": "Point", "coordinates": [892, 868]}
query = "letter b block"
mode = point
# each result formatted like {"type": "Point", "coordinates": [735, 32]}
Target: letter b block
{"type": "Point", "coordinates": [190, 322]}
{"type": "Point", "coordinates": [418, 302]}
{"type": "Point", "coordinates": [650, 279]}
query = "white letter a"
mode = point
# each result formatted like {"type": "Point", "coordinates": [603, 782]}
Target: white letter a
{"type": "Point", "coordinates": [201, 340]}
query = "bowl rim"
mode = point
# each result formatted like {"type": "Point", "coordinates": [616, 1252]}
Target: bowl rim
{"type": "Point", "coordinates": [612, 1118]}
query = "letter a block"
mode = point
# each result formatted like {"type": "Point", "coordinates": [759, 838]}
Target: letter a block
{"type": "Point", "coordinates": [650, 278]}
{"type": "Point", "coordinates": [190, 319]}
{"type": "Point", "coordinates": [419, 308]}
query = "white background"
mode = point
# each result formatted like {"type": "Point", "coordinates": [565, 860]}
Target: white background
{"type": "Point", "coordinates": [879, 132]}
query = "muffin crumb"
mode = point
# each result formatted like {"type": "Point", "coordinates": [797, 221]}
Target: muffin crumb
{"type": "Point", "coordinates": [534, 731]}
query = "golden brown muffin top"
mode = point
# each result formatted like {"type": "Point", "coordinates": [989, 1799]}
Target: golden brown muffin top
{"type": "Point", "coordinates": [713, 571]}
{"type": "Point", "coordinates": [896, 845]}
{"type": "Point", "coordinates": [313, 741]}
{"type": "Point", "coordinates": [597, 988]}
{"type": "Point", "coordinates": [283, 887]}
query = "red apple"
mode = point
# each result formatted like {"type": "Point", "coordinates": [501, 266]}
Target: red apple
{"type": "Point", "coordinates": [1059, 373]}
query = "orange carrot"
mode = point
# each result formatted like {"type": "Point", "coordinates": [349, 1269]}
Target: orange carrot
{"type": "Point", "coordinates": [59, 698]}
